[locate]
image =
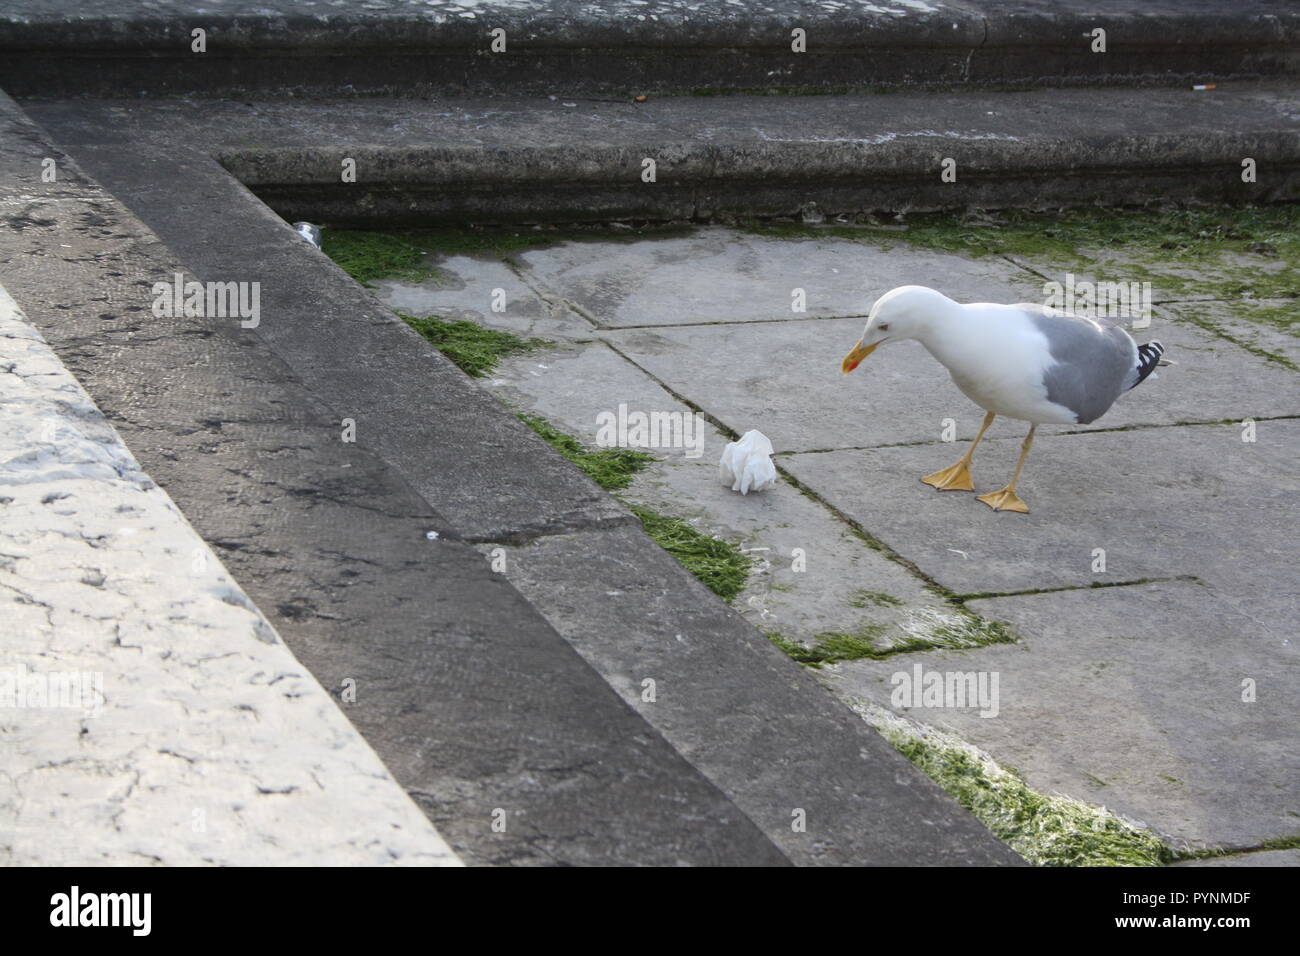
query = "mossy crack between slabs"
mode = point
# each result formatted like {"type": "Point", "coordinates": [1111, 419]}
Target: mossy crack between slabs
{"type": "Point", "coordinates": [1189, 312]}
{"type": "Point", "coordinates": [1047, 830]}
{"type": "Point", "coordinates": [923, 629]}
{"type": "Point", "coordinates": [719, 565]}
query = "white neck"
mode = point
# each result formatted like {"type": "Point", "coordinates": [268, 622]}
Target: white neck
{"type": "Point", "coordinates": [941, 327]}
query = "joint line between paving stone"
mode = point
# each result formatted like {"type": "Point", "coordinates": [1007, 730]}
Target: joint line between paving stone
{"type": "Point", "coordinates": [549, 296]}
{"type": "Point", "coordinates": [1096, 585]}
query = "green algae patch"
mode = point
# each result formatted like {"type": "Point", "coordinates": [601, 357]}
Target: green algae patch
{"type": "Point", "coordinates": [719, 565]}
{"type": "Point", "coordinates": [919, 629]}
{"type": "Point", "coordinates": [611, 468]}
{"type": "Point", "coordinates": [1227, 252]}
{"type": "Point", "coordinates": [475, 349]}
{"type": "Point", "coordinates": [1047, 830]}
{"type": "Point", "coordinates": [370, 256]}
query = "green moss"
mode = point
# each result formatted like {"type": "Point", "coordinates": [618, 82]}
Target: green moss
{"type": "Point", "coordinates": [1283, 318]}
{"type": "Point", "coordinates": [1177, 234]}
{"type": "Point", "coordinates": [480, 242]}
{"type": "Point", "coordinates": [924, 629]}
{"type": "Point", "coordinates": [718, 564]}
{"type": "Point", "coordinates": [865, 598]}
{"type": "Point", "coordinates": [611, 468]}
{"type": "Point", "coordinates": [1217, 250]}
{"type": "Point", "coordinates": [1045, 830]}
{"type": "Point", "coordinates": [794, 650]}
{"type": "Point", "coordinates": [471, 346]}
{"type": "Point", "coordinates": [832, 647]}
{"type": "Point", "coordinates": [370, 256]}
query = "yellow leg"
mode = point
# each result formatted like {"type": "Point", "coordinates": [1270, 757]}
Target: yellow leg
{"type": "Point", "coordinates": [1006, 499]}
{"type": "Point", "coordinates": [957, 477]}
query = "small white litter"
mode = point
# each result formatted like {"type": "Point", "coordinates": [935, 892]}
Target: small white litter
{"type": "Point", "coordinates": [746, 465]}
{"type": "Point", "coordinates": [309, 232]}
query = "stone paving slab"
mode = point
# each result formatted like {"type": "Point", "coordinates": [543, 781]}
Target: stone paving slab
{"type": "Point", "coordinates": [1162, 502]}
{"type": "Point", "coordinates": [200, 739]}
{"type": "Point", "coordinates": [719, 275]}
{"type": "Point", "coordinates": [466, 289]}
{"type": "Point", "coordinates": [784, 378]}
{"type": "Point", "coordinates": [1168, 280]}
{"type": "Point", "coordinates": [1131, 697]}
{"type": "Point", "coordinates": [571, 387]}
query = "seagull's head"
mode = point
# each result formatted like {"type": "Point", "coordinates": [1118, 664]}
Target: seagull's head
{"type": "Point", "coordinates": [899, 314]}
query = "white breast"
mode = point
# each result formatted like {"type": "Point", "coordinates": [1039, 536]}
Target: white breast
{"type": "Point", "coordinates": [997, 358]}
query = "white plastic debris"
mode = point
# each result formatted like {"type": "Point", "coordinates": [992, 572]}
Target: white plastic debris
{"type": "Point", "coordinates": [746, 465]}
{"type": "Point", "coordinates": [309, 231]}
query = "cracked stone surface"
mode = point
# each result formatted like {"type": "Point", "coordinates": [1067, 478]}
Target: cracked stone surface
{"type": "Point", "coordinates": [195, 737]}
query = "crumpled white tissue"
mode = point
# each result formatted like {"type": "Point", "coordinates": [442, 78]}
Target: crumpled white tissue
{"type": "Point", "coordinates": [746, 465]}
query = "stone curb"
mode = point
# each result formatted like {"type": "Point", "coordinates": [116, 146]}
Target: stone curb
{"type": "Point", "coordinates": [102, 48]}
{"type": "Point", "coordinates": [556, 160]}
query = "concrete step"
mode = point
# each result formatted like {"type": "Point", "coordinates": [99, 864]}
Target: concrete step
{"type": "Point", "coordinates": [397, 47]}
{"type": "Point", "coordinates": [420, 161]}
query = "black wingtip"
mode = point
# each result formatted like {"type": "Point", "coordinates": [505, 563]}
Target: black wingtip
{"type": "Point", "coordinates": [1148, 358]}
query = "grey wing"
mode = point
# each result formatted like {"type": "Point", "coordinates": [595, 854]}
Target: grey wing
{"type": "Point", "coordinates": [1094, 361]}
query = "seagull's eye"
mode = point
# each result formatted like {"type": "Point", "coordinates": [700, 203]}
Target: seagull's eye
{"type": "Point", "coordinates": [883, 327]}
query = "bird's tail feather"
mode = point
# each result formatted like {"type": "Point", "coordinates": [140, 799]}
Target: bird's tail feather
{"type": "Point", "coordinates": [1148, 358]}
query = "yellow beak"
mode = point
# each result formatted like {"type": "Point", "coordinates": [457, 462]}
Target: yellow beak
{"type": "Point", "coordinates": [855, 357]}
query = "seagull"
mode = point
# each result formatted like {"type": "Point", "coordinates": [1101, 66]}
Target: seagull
{"type": "Point", "coordinates": [1022, 361]}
